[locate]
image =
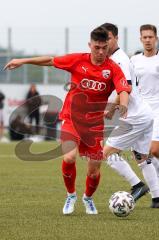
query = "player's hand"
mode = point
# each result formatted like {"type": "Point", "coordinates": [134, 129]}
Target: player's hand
{"type": "Point", "coordinates": [15, 63]}
{"type": "Point", "coordinates": [109, 113]}
{"type": "Point", "coordinates": [122, 111]}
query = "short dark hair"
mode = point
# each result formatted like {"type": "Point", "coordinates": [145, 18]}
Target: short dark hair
{"type": "Point", "coordinates": [111, 28]}
{"type": "Point", "coordinates": [99, 34]}
{"type": "Point", "coordinates": [148, 27]}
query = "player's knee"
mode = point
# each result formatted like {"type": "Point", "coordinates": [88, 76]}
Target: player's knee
{"type": "Point", "coordinates": [142, 159]}
{"type": "Point", "coordinates": [106, 152]}
{"type": "Point", "coordinates": [144, 163]}
{"type": "Point", "coordinates": [93, 175]}
{"type": "Point", "coordinates": [109, 152]}
{"type": "Point", "coordinates": [139, 157]}
{"type": "Point", "coordinates": [93, 172]}
{"type": "Point", "coordinates": [69, 158]}
{"type": "Point", "coordinates": [112, 159]}
{"type": "Point", "coordinates": [155, 152]}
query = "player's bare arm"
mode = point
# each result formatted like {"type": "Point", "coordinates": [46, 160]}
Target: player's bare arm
{"type": "Point", "coordinates": [110, 111]}
{"type": "Point", "coordinates": [40, 61]}
{"type": "Point", "coordinates": [123, 106]}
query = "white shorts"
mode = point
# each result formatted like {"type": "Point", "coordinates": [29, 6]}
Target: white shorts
{"type": "Point", "coordinates": [136, 137]}
{"type": "Point", "coordinates": [155, 134]}
{"type": "Point", "coordinates": [1, 116]}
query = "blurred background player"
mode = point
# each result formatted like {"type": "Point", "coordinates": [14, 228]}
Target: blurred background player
{"type": "Point", "coordinates": [93, 78]}
{"type": "Point", "coordinates": [18, 129]}
{"type": "Point", "coordinates": [135, 131]}
{"type": "Point", "coordinates": [2, 97]}
{"type": "Point", "coordinates": [33, 106]}
{"type": "Point", "coordinates": [146, 67]}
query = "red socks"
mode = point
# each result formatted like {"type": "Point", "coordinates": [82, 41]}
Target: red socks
{"type": "Point", "coordinates": [91, 185]}
{"type": "Point", "coordinates": [69, 175]}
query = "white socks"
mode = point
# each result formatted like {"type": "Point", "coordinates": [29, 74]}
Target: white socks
{"type": "Point", "coordinates": [123, 168]}
{"type": "Point", "coordinates": [155, 162]}
{"type": "Point", "coordinates": [150, 176]}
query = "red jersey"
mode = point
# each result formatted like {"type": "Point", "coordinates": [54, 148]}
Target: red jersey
{"type": "Point", "coordinates": [91, 85]}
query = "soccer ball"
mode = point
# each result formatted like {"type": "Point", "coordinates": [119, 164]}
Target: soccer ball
{"type": "Point", "coordinates": [121, 203]}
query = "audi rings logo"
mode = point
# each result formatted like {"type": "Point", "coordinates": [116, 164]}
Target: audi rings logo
{"type": "Point", "coordinates": [93, 85]}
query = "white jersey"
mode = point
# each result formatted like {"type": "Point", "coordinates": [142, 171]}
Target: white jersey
{"type": "Point", "coordinates": [138, 111]}
{"type": "Point", "coordinates": [147, 72]}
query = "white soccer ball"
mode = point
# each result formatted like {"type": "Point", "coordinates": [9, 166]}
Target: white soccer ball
{"type": "Point", "coordinates": [121, 203]}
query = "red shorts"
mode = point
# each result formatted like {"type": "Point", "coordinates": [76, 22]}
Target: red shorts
{"type": "Point", "coordinates": [89, 142]}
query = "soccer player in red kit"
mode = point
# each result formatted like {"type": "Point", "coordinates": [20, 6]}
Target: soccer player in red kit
{"type": "Point", "coordinates": [93, 78]}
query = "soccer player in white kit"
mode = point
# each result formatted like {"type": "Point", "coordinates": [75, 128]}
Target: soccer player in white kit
{"type": "Point", "coordinates": [146, 67]}
{"type": "Point", "coordinates": [135, 131]}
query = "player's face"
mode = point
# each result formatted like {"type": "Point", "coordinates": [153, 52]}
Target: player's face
{"type": "Point", "coordinates": [113, 43]}
{"type": "Point", "coordinates": [148, 39]}
{"type": "Point", "coordinates": [99, 51]}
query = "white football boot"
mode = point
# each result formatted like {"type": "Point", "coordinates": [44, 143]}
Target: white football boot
{"type": "Point", "coordinates": [89, 205]}
{"type": "Point", "coordinates": [69, 205]}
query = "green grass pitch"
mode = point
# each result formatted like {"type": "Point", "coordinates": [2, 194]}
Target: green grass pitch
{"type": "Point", "coordinates": [32, 197]}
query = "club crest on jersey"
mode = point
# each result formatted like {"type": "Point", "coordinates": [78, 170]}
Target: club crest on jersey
{"type": "Point", "coordinates": [106, 73]}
